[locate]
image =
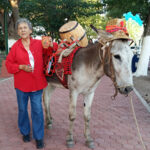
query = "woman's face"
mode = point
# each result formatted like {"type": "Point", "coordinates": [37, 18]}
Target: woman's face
{"type": "Point", "coordinates": [24, 31]}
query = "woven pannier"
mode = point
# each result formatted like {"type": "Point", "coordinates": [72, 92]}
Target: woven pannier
{"type": "Point", "coordinates": [75, 30]}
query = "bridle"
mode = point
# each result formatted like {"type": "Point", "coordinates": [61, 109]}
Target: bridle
{"type": "Point", "coordinates": [105, 56]}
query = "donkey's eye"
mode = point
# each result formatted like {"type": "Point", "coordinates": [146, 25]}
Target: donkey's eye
{"type": "Point", "coordinates": [117, 57]}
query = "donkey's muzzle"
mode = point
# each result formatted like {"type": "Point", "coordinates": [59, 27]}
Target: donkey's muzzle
{"type": "Point", "coordinates": [125, 90]}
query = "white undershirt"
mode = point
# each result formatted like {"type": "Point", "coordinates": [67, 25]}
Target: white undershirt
{"type": "Point", "coordinates": [31, 59]}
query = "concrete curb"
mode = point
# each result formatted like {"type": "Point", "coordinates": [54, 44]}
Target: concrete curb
{"type": "Point", "coordinates": [142, 100]}
{"type": "Point", "coordinates": [3, 80]}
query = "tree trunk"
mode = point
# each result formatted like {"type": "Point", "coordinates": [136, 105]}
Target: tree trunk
{"type": "Point", "coordinates": [2, 18]}
{"type": "Point", "coordinates": [11, 20]}
{"type": "Point", "coordinates": [12, 34]}
{"type": "Point", "coordinates": [142, 66]}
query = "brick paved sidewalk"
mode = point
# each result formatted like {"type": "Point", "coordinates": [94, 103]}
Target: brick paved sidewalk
{"type": "Point", "coordinates": [112, 123]}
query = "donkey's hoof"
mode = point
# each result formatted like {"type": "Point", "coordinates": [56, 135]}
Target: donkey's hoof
{"type": "Point", "coordinates": [49, 126]}
{"type": "Point", "coordinates": [90, 144]}
{"type": "Point", "coordinates": [70, 143]}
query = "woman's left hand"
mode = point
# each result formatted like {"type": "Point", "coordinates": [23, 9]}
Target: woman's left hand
{"type": "Point", "coordinates": [26, 68]}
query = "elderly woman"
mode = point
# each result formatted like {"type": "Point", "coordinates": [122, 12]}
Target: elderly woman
{"type": "Point", "coordinates": [26, 63]}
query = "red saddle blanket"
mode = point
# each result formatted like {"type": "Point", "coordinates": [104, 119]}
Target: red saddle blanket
{"type": "Point", "coordinates": [51, 64]}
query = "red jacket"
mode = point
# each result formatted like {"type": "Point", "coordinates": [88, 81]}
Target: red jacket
{"type": "Point", "coordinates": [27, 81]}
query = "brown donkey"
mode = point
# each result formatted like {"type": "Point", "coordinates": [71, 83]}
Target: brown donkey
{"type": "Point", "coordinates": [110, 56]}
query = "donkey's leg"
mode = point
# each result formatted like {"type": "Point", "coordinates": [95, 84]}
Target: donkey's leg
{"type": "Point", "coordinates": [47, 97]}
{"type": "Point", "coordinates": [72, 116]}
{"type": "Point", "coordinates": [87, 115]}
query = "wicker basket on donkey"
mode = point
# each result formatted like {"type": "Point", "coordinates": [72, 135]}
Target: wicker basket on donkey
{"type": "Point", "coordinates": [75, 30]}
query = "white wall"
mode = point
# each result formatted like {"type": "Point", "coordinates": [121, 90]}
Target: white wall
{"type": "Point", "coordinates": [142, 67]}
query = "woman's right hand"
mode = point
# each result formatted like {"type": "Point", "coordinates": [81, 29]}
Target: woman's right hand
{"type": "Point", "coordinates": [26, 68]}
{"type": "Point", "coordinates": [47, 41]}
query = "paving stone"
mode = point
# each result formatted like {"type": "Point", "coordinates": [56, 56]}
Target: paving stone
{"type": "Point", "coordinates": [112, 123]}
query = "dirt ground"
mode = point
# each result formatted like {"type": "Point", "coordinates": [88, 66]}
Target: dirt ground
{"type": "Point", "coordinates": [142, 85]}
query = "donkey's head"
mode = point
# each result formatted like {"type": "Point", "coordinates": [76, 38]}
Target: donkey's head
{"type": "Point", "coordinates": [117, 58]}
{"type": "Point", "coordinates": [121, 59]}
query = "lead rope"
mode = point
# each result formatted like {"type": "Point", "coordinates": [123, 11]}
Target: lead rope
{"type": "Point", "coordinates": [136, 122]}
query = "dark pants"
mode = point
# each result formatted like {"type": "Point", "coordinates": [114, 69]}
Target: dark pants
{"type": "Point", "coordinates": [36, 113]}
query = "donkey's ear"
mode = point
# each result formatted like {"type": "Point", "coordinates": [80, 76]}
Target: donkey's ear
{"type": "Point", "coordinates": [101, 33]}
{"type": "Point", "coordinates": [94, 28]}
{"type": "Point", "coordinates": [104, 34]}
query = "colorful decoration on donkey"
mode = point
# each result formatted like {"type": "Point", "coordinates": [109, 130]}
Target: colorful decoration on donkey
{"type": "Point", "coordinates": [73, 29]}
{"type": "Point", "coordinates": [117, 28]}
{"type": "Point", "coordinates": [134, 26]}
{"type": "Point", "coordinates": [61, 67]}
{"type": "Point", "coordinates": [115, 25]}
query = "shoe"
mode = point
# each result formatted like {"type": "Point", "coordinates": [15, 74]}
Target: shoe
{"type": "Point", "coordinates": [39, 144]}
{"type": "Point", "coordinates": [26, 138]}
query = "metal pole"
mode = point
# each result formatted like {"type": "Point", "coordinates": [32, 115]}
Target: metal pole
{"type": "Point", "coordinates": [6, 30]}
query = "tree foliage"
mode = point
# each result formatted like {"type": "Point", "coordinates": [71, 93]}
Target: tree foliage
{"type": "Point", "coordinates": [52, 14]}
{"type": "Point", "coordinates": [116, 8]}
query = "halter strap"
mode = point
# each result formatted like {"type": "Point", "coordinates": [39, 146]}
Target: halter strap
{"type": "Point", "coordinates": [108, 68]}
